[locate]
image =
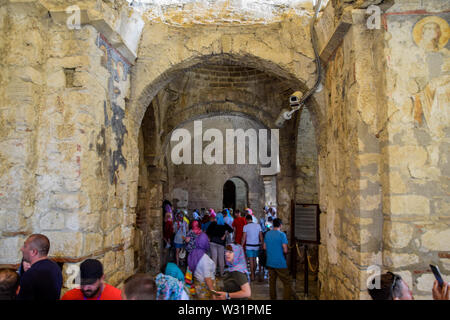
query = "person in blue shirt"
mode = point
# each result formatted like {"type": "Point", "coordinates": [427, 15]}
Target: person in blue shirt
{"type": "Point", "coordinates": [276, 246]}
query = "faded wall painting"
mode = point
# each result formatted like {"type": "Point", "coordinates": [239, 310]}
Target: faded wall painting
{"type": "Point", "coordinates": [114, 109]}
{"type": "Point", "coordinates": [431, 103]}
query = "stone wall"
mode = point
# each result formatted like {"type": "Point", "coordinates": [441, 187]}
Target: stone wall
{"type": "Point", "coordinates": [384, 206]}
{"type": "Point", "coordinates": [349, 164]}
{"type": "Point", "coordinates": [202, 183]}
{"type": "Point", "coordinates": [416, 143]}
{"type": "Point", "coordinates": [64, 100]}
{"type": "Point", "coordinates": [307, 166]}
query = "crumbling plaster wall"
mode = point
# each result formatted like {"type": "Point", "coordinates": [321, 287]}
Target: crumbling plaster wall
{"type": "Point", "coordinates": [415, 143]}
{"type": "Point", "coordinates": [63, 101]}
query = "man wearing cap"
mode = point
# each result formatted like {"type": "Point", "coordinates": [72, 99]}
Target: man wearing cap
{"type": "Point", "coordinates": [93, 286]}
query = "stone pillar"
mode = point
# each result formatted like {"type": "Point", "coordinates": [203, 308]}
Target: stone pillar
{"type": "Point", "coordinates": [270, 191]}
{"type": "Point", "coordinates": [22, 95]}
{"type": "Point", "coordinates": [350, 165]}
{"type": "Point", "coordinates": [67, 90]}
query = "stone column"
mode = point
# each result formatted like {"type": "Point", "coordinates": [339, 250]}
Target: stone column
{"type": "Point", "coordinates": [270, 191]}
{"type": "Point", "coordinates": [23, 41]}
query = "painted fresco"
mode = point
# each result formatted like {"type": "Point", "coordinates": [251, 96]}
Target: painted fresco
{"type": "Point", "coordinates": [114, 109]}
{"type": "Point", "coordinates": [431, 104]}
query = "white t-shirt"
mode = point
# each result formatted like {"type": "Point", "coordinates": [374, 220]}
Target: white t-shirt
{"type": "Point", "coordinates": [252, 230]}
{"type": "Point", "coordinates": [206, 268]}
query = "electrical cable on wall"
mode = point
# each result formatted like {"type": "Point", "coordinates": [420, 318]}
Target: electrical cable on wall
{"type": "Point", "coordinates": [297, 99]}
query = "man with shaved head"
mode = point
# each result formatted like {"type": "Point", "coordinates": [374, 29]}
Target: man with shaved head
{"type": "Point", "coordinates": [140, 286]}
{"type": "Point", "coordinates": [43, 281]}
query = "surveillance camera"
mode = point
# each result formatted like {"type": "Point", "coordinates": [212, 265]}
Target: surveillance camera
{"type": "Point", "coordinates": [283, 116]}
{"type": "Point", "coordinates": [295, 98]}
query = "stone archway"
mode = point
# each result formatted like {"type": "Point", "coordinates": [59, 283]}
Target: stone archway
{"type": "Point", "coordinates": [229, 195]}
{"type": "Point", "coordinates": [241, 193]}
{"type": "Point", "coordinates": [163, 63]}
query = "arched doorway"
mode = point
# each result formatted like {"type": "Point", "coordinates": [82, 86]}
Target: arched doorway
{"type": "Point", "coordinates": [235, 194]}
{"type": "Point", "coordinates": [229, 195]}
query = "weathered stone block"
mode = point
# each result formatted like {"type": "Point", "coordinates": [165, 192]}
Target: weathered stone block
{"type": "Point", "coordinates": [414, 156]}
{"type": "Point", "coordinates": [10, 250]}
{"type": "Point", "coordinates": [65, 244]}
{"type": "Point", "coordinates": [398, 260]}
{"type": "Point", "coordinates": [56, 79]}
{"type": "Point", "coordinates": [398, 235]}
{"type": "Point", "coordinates": [66, 201]}
{"type": "Point", "coordinates": [425, 282]}
{"type": "Point", "coordinates": [52, 220]}
{"type": "Point", "coordinates": [445, 263]}
{"type": "Point", "coordinates": [410, 205]}
{"type": "Point", "coordinates": [92, 242]}
{"type": "Point", "coordinates": [369, 203]}
{"type": "Point", "coordinates": [396, 183]}
{"type": "Point", "coordinates": [109, 263]}
{"type": "Point", "coordinates": [436, 240]}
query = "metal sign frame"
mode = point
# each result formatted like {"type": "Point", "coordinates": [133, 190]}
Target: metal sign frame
{"type": "Point", "coordinates": [293, 206]}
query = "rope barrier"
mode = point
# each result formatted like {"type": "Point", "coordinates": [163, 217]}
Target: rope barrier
{"type": "Point", "coordinates": [310, 266]}
{"type": "Point", "coordinates": [308, 257]}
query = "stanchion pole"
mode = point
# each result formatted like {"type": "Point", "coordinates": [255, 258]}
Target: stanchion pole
{"type": "Point", "coordinates": [306, 270]}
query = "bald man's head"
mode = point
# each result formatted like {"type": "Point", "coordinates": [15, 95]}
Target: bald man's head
{"type": "Point", "coordinates": [40, 243]}
{"type": "Point", "coordinates": [35, 247]}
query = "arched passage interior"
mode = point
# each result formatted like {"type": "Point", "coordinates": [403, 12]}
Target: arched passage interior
{"type": "Point", "coordinates": [220, 91]}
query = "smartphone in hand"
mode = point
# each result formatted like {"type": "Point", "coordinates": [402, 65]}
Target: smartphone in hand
{"type": "Point", "coordinates": [437, 274]}
{"type": "Point", "coordinates": [214, 292]}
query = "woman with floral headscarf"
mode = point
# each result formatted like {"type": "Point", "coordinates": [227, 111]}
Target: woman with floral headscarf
{"type": "Point", "coordinates": [235, 283]}
{"type": "Point", "coordinates": [192, 235]}
{"type": "Point", "coordinates": [170, 284]}
{"type": "Point", "coordinates": [202, 267]}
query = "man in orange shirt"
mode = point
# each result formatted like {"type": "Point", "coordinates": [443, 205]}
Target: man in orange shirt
{"type": "Point", "coordinates": [93, 286]}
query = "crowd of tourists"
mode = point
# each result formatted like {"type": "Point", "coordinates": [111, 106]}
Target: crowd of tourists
{"type": "Point", "coordinates": [219, 252]}
{"type": "Point", "coordinates": [209, 256]}
{"type": "Point", "coordinates": [205, 246]}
